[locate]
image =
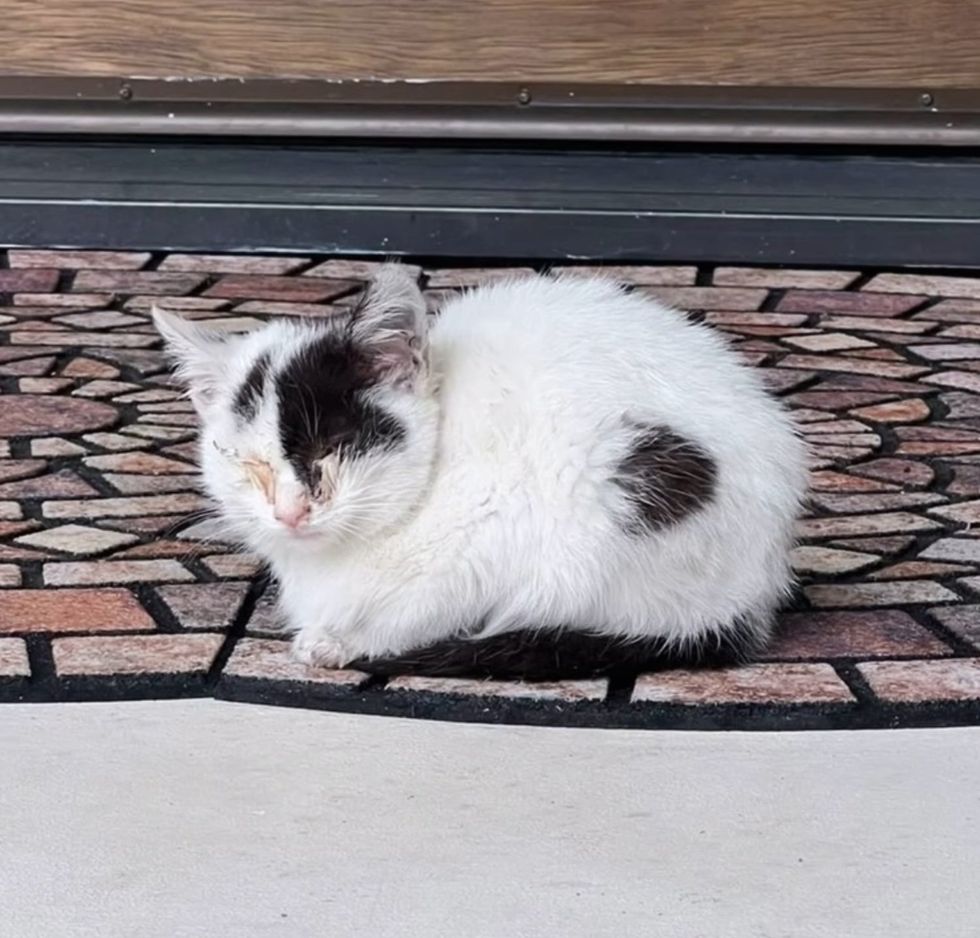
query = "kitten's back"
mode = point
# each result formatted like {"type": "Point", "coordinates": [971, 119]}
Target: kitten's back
{"type": "Point", "coordinates": [585, 350]}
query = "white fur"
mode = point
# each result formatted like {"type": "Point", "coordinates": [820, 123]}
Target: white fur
{"type": "Point", "coordinates": [500, 510]}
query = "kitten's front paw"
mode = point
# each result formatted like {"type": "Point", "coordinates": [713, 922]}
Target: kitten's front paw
{"type": "Point", "coordinates": [321, 651]}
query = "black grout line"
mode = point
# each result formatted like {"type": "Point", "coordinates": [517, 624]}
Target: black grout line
{"type": "Point", "coordinates": [32, 573]}
{"type": "Point", "coordinates": [156, 608]}
{"type": "Point", "coordinates": [927, 303]}
{"type": "Point", "coordinates": [120, 632]}
{"type": "Point", "coordinates": [94, 478]}
{"type": "Point", "coordinates": [208, 281]}
{"type": "Point", "coordinates": [960, 647]}
{"type": "Point", "coordinates": [856, 683]}
{"type": "Point", "coordinates": [376, 682]}
{"type": "Point", "coordinates": [66, 279]}
{"type": "Point", "coordinates": [705, 275]}
{"type": "Point", "coordinates": [236, 632]}
{"type": "Point", "coordinates": [862, 281]}
{"type": "Point", "coordinates": [156, 259]}
{"type": "Point", "coordinates": [621, 685]}
{"type": "Point", "coordinates": [309, 264]}
{"type": "Point", "coordinates": [19, 449]}
{"type": "Point", "coordinates": [41, 659]}
{"type": "Point", "coordinates": [773, 298]}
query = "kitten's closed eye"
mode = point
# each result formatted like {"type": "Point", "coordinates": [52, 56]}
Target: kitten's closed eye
{"type": "Point", "coordinates": [324, 475]}
{"type": "Point", "coordinates": [262, 476]}
{"type": "Point", "coordinates": [258, 472]}
{"type": "Point", "coordinates": [324, 469]}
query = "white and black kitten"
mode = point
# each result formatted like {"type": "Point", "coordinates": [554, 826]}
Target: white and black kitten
{"type": "Point", "coordinates": [548, 453]}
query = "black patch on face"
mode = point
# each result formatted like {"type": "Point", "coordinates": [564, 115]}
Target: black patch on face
{"type": "Point", "coordinates": [667, 477]}
{"type": "Point", "coordinates": [322, 409]}
{"type": "Point", "coordinates": [249, 395]}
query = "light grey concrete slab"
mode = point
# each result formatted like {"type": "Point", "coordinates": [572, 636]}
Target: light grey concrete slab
{"type": "Point", "coordinates": [201, 819]}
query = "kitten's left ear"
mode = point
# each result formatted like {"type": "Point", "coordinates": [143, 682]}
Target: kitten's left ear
{"type": "Point", "coordinates": [390, 324]}
{"type": "Point", "coordinates": [198, 352]}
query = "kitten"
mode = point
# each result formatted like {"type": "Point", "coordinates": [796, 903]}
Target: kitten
{"type": "Point", "coordinates": [546, 453]}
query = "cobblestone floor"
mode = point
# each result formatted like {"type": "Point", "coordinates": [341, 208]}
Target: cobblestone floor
{"type": "Point", "coordinates": [109, 589]}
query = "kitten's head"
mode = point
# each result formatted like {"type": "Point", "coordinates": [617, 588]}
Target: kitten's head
{"type": "Point", "coordinates": [314, 431]}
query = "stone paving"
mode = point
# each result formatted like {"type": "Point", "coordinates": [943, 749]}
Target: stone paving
{"type": "Point", "coordinates": [110, 586]}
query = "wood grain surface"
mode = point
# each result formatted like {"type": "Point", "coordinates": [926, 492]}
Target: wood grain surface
{"type": "Point", "coordinates": [736, 42]}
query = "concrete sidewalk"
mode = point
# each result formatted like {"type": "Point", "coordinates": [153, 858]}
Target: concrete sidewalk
{"type": "Point", "coordinates": [188, 819]}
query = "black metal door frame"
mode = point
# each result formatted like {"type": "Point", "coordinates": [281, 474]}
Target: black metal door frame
{"type": "Point", "coordinates": [772, 176]}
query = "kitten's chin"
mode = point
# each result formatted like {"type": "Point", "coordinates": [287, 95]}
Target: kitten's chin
{"type": "Point", "coordinates": [302, 533]}
{"type": "Point", "coordinates": [305, 538]}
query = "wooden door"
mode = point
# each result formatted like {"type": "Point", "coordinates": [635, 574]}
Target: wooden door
{"type": "Point", "coordinates": [831, 43]}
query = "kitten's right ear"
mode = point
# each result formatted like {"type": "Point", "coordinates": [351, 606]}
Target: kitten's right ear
{"type": "Point", "coordinates": [390, 324]}
{"type": "Point", "coordinates": [198, 352]}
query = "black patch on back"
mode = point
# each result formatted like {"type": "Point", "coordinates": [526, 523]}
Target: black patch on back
{"type": "Point", "coordinates": [558, 655]}
{"type": "Point", "coordinates": [249, 395]}
{"type": "Point", "coordinates": [322, 408]}
{"type": "Point", "coordinates": [667, 477]}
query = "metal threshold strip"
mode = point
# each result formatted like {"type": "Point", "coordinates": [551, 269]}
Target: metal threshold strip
{"type": "Point", "coordinates": [467, 199]}
{"type": "Point", "coordinates": [499, 111]}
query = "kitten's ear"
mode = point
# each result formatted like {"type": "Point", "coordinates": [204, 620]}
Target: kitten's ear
{"type": "Point", "coordinates": [198, 352]}
{"type": "Point", "coordinates": [390, 324]}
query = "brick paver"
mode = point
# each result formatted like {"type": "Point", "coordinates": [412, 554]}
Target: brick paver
{"type": "Point", "coordinates": [107, 576]}
{"type": "Point", "coordinates": [137, 654]}
{"type": "Point", "coordinates": [567, 692]}
{"type": "Point", "coordinates": [751, 684]}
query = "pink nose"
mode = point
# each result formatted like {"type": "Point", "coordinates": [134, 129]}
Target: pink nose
{"type": "Point", "coordinates": [292, 514]}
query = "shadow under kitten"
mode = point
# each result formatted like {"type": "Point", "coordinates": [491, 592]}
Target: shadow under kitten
{"type": "Point", "coordinates": [549, 656]}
